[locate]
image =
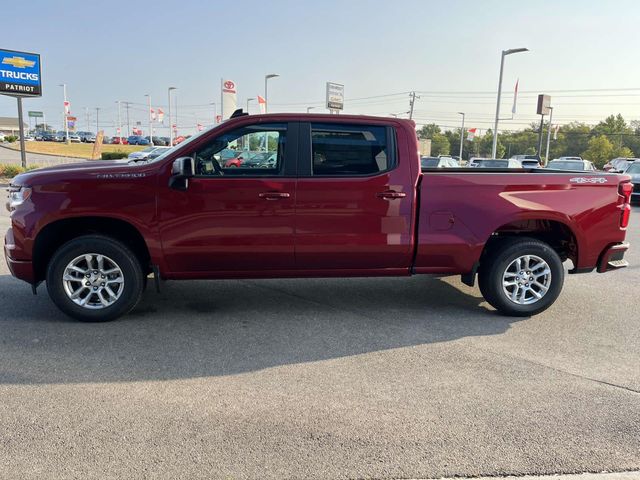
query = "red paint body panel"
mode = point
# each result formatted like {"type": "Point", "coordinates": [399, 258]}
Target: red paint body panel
{"type": "Point", "coordinates": [223, 228]}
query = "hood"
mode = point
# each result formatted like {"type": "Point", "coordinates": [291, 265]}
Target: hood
{"type": "Point", "coordinates": [58, 172]}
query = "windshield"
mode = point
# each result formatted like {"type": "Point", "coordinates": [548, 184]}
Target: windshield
{"type": "Point", "coordinates": [181, 144]}
{"type": "Point", "coordinates": [634, 168]}
{"type": "Point", "coordinates": [566, 165]}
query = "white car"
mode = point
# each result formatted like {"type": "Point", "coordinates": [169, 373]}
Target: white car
{"type": "Point", "coordinates": [1, 137]}
{"type": "Point", "coordinates": [146, 153]}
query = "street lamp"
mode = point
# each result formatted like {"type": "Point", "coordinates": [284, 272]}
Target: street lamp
{"type": "Point", "coordinates": [169, 112]}
{"type": "Point", "coordinates": [495, 128]}
{"type": "Point", "coordinates": [249, 100]}
{"type": "Point", "coordinates": [546, 157]}
{"type": "Point", "coordinates": [150, 120]}
{"type": "Point", "coordinates": [309, 109]}
{"type": "Point", "coordinates": [266, 78]}
{"type": "Point", "coordinates": [461, 134]}
{"type": "Point", "coordinates": [64, 113]}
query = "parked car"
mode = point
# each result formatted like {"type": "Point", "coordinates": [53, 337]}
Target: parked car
{"type": "Point", "coordinates": [358, 183]}
{"type": "Point", "coordinates": [179, 139]}
{"type": "Point", "coordinates": [49, 137]}
{"type": "Point", "coordinates": [438, 162]}
{"type": "Point", "coordinates": [136, 139]}
{"type": "Point", "coordinates": [498, 163]}
{"type": "Point", "coordinates": [146, 153]}
{"type": "Point", "coordinates": [74, 138]}
{"type": "Point", "coordinates": [571, 163]}
{"type": "Point", "coordinates": [473, 161]}
{"type": "Point", "coordinates": [157, 152]}
{"type": "Point", "coordinates": [29, 138]}
{"type": "Point", "coordinates": [633, 171]}
{"type": "Point", "coordinates": [619, 165]}
{"type": "Point", "coordinates": [157, 141]}
{"type": "Point", "coordinates": [87, 137]}
{"type": "Point", "coordinates": [119, 141]}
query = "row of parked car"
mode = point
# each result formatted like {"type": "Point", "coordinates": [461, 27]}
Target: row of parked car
{"type": "Point", "coordinates": [89, 137]}
{"type": "Point", "coordinates": [517, 161]}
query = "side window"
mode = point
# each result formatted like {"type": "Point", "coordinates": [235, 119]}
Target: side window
{"type": "Point", "coordinates": [250, 150]}
{"type": "Point", "coordinates": [349, 149]}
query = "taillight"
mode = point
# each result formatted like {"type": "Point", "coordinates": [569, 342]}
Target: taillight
{"type": "Point", "coordinates": [625, 190]}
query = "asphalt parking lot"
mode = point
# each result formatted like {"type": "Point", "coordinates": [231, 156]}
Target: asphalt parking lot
{"type": "Point", "coordinates": [340, 378]}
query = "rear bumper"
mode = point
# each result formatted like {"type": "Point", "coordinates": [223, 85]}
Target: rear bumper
{"type": "Point", "coordinates": [612, 258]}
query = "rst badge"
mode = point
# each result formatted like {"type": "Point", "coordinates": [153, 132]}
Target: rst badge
{"type": "Point", "coordinates": [582, 180]}
{"type": "Point", "coordinates": [20, 74]}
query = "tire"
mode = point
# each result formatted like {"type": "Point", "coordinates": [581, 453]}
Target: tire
{"type": "Point", "coordinates": [113, 291]}
{"type": "Point", "coordinates": [502, 285]}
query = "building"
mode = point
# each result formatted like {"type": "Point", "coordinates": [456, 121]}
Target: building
{"type": "Point", "coordinates": [10, 126]}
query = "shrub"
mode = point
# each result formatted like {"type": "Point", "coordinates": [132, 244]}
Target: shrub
{"type": "Point", "coordinates": [10, 171]}
{"type": "Point", "coordinates": [10, 138]}
{"type": "Point", "coordinates": [114, 155]}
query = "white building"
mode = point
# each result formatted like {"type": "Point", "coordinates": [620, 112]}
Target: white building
{"type": "Point", "coordinates": [10, 126]}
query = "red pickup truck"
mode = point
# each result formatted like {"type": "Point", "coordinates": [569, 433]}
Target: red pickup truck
{"type": "Point", "coordinates": [343, 196]}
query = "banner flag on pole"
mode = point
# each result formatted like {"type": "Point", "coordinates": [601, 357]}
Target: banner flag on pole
{"type": "Point", "coordinates": [67, 108]}
{"type": "Point", "coordinates": [153, 115]}
{"type": "Point", "coordinates": [471, 133]}
{"type": "Point", "coordinates": [160, 115]}
{"type": "Point", "coordinates": [515, 97]}
{"type": "Point", "coordinates": [555, 132]}
{"type": "Point", "coordinates": [229, 98]}
{"type": "Point", "coordinates": [263, 104]}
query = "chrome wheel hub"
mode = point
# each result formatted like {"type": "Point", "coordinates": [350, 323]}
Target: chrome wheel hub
{"type": "Point", "coordinates": [526, 280]}
{"type": "Point", "coordinates": [93, 281]}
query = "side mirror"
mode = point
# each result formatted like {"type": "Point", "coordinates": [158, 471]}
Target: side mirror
{"type": "Point", "coordinates": [182, 170]}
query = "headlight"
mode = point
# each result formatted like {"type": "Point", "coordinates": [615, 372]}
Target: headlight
{"type": "Point", "coordinates": [17, 196]}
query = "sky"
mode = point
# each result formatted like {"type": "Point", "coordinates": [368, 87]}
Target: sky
{"type": "Point", "coordinates": [583, 54]}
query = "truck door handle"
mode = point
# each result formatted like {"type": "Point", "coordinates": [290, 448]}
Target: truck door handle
{"type": "Point", "coordinates": [273, 195]}
{"type": "Point", "coordinates": [391, 194]}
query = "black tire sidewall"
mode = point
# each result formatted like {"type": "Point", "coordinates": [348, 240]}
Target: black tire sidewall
{"type": "Point", "coordinates": [126, 260]}
{"type": "Point", "coordinates": [501, 257]}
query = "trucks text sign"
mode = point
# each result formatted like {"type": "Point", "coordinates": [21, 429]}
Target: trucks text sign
{"type": "Point", "coordinates": [20, 74]}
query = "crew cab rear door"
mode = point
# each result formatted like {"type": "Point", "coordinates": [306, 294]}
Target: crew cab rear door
{"type": "Point", "coordinates": [354, 198]}
{"type": "Point", "coordinates": [235, 216]}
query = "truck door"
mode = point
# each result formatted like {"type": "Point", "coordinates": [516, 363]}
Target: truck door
{"type": "Point", "coordinates": [355, 198]}
{"type": "Point", "coordinates": [237, 213]}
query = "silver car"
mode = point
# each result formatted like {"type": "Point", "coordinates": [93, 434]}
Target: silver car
{"type": "Point", "coordinates": [634, 172]}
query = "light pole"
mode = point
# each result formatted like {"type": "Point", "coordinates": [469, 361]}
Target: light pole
{"type": "Point", "coordinates": [169, 112]}
{"type": "Point", "coordinates": [97, 120]}
{"type": "Point", "coordinates": [249, 100]}
{"type": "Point", "coordinates": [309, 109]}
{"type": "Point", "coordinates": [64, 113]}
{"type": "Point", "coordinates": [495, 128]}
{"type": "Point", "coordinates": [461, 134]}
{"type": "Point", "coordinates": [150, 120]}
{"type": "Point", "coordinates": [546, 157]}
{"type": "Point", "coordinates": [119, 122]}
{"type": "Point", "coordinates": [266, 99]}
{"type": "Point", "coordinates": [215, 113]}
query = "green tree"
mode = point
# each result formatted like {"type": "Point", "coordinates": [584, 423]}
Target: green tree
{"type": "Point", "coordinates": [440, 145]}
{"type": "Point", "coordinates": [428, 131]}
{"type": "Point", "coordinates": [600, 150]}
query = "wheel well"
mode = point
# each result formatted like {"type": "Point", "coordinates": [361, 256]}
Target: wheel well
{"type": "Point", "coordinates": [556, 234]}
{"type": "Point", "coordinates": [55, 234]}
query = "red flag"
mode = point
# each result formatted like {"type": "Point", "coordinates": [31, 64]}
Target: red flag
{"type": "Point", "coordinates": [471, 133]}
{"type": "Point", "coordinates": [160, 115]}
{"type": "Point", "coordinates": [67, 108]}
{"type": "Point", "coordinates": [262, 103]}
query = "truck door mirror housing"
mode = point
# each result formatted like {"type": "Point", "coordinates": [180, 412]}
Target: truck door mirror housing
{"type": "Point", "coordinates": [182, 170]}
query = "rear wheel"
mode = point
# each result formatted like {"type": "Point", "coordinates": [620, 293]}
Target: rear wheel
{"type": "Point", "coordinates": [521, 276]}
{"type": "Point", "coordinates": [94, 279]}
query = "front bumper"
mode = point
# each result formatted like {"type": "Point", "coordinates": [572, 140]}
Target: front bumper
{"type": "Point", "coordinates": [22, 269]}
{"type": "Point", "coordinates": [612, 258]}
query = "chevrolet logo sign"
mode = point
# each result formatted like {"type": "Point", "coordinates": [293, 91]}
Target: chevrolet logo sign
{"type": "Point", "coordinates": [18, 62]}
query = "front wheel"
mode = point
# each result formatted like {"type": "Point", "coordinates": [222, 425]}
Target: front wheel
{"type": "Point", "coordinates": [94, 279]}
{"type": "Point", "coordinates": [521, 276]}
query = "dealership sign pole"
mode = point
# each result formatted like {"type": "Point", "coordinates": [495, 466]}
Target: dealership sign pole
{"type": "Point", "coordinates": [335, 97]}
{"type": "Point", "coordinates": [20, 77]}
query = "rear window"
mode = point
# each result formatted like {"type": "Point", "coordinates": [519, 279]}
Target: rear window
{"type": "Point", "coordinates": [493, 163]}
{"type": "Point", "coordinates": [350, 149]}
{"type": "Point", "coordinates": [562, 165]}
{"type": "Point", "coordinates": [427, 162]}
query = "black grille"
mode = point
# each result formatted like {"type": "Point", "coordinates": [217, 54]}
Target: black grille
{"type": "Point", "coordinates": [636, 188]}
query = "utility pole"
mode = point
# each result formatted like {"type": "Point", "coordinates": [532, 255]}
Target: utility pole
{"type": "Point", "coordinates": [411, 104]}
{"type": "Point", "coordinates": [86, 114]}
{"type": "Point", "coordinates": [249, 100]}
{"type": "Point", "coordinates": [150, 120]}
{"type": "Point", "coordinates": [97, 120]}
{"type": "Point", "coordinates": [126, 106]}
{"type": "Point", "coordinates": [461, 134]}
{"type": "Point", "coordinates": [170, 124]}
{"type": "Point", "coordinates": [540, 135]}
{"type": "Point", "coordinates": [266, 78]}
